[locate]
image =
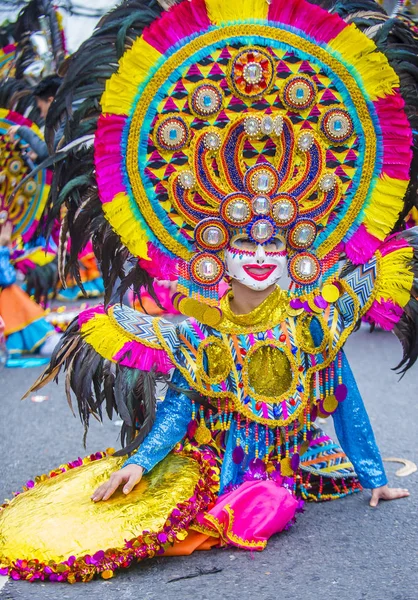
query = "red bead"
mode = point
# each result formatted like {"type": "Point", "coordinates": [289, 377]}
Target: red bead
{"type": "Point", "coordinates": [243, 352]}
{"type": "Point", "coordinates": [292, 401]}
{"type": "Point", "coordinates": [300, 368]}
{"type": "Point", "coordinates": [240, 385]}
{"type": "Point", "coordinates": [282, 338]}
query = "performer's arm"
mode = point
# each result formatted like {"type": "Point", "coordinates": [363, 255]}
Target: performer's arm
{"type": "Point", "coordinates": [7, 272]}
{"type": "Point", "coordinates": [170, 427]}
{"type": "Point", "coordinates": [36, 143]}
{"type": "Point", "coordinates": [356, 437]}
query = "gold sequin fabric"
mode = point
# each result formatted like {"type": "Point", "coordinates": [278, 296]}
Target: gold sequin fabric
{"type": "Point", "coordinates": [58, 519]}
{"type": "Point", "coordinates": [269, 372]}
{"type": "Point", "coordinates": [269, 313]}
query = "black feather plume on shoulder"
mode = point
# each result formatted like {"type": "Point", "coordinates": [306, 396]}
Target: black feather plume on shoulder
{"type": "Point", "coordinates": [100, 385]}
{"type": "Point", "coordinates": [407, 328]}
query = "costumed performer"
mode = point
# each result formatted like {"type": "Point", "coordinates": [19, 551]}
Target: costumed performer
{"type": "Point", "coordinates": [26, 329]}
{"type": "Point", "coordinates": [240, 139]}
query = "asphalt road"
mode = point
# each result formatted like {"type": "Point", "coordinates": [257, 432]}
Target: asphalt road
{"type": "Point", "coordinates": [337, 550]}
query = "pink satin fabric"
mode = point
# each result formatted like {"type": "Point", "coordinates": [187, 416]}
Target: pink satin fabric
{"type": "Point", "coordinates": [248, 516]}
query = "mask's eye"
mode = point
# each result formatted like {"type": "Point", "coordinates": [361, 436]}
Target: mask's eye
{"type": "Point", "coordinates": [243, 242]}
{"type": "Point", "coordinates": [277, 244]}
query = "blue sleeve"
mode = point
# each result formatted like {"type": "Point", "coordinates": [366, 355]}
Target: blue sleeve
{"type": "Point", "coordinates": [7, 272]}
{"type": "Point", "coordinates": [355, 434]}
{"type": "Point", "coordinates": [36, 143]}
{"type": "Point", "coordinates": [170, 427]}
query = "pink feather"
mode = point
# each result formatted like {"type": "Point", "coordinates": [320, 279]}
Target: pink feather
{"type": "Point", "coordinates": [361, 246]}
{"type": "Point", "coordinates": [384, 313]}
{"type": "Point", "coordinates": [315, 21]}
{"type": "Point", "coordinates": [181, 21]}
{"type": "Point", "coordinates": [391, 244]}
{"type": "Point", "coordinates": [107, 156]}
{"type": "Point", "coordinates": [86, 316]}
{"type": "Point", "coordinates": [160, 265]}
{"type": "Point", "coordinates": [137, 356]}
{"type": "Point", "coordinates": [397, 136]}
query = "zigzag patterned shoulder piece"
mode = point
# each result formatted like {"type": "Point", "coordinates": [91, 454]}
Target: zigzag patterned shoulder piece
{"type": "Point", "coordinates": [141, 327]}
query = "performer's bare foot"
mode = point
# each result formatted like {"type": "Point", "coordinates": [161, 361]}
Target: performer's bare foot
{"type": "Point", "coordinates": [386, 493]}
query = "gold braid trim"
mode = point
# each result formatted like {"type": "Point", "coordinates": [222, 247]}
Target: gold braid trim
{"type": "Point", "coordinates": [228, 535]}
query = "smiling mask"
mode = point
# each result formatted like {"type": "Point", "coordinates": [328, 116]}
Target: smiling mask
{"type": "Point", "coordinates": [256, 266]}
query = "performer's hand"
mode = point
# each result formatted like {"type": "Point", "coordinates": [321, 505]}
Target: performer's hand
{"type": "Point", "coordinates": [6, 233]}
{"type": "Point", "coordinates": [12, 131]}
{"type": "Point", "coordinates": [130, 476]}
{"type": "Point", "coordinates": [386, 493]}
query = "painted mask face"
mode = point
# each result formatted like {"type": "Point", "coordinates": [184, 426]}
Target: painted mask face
{"type": "Point", "coordinates": [254, 265]}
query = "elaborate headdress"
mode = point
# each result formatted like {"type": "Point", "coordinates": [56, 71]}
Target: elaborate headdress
{"type": "Point", "coordinates": [24, 209]}
{"type": "Point", "coordinates": [216, 118]}
{"type": "Point", "coordinates": [247, 116]}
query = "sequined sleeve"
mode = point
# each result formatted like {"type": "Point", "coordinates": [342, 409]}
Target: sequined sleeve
{"type": "Point", "coordinates": [356, 436]}
{"type": "Point", "coordinates": [7, 272]}
{"type": "Point", "coordinates": [170, 427]}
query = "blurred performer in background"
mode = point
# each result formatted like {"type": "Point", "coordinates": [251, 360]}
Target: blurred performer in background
{"type": "Point", "coordinates": [44, 94]}
{"type": "Point", "coordinates": [25, 327]}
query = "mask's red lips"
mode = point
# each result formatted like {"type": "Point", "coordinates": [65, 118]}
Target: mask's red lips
{"type": "Point", "coordinates": [259, 272]}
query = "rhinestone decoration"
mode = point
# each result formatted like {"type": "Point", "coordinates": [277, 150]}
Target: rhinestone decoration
{"type": "Point", "coordinates": [302, 235]}
{"type": "Point", "coordinates": [172, 133]}
{"type": "Point", "coordinates": [267, 126]}
{"type": "Point", "coordinates": [187, 180]}
{"type": "Point", "coordinates": [261, 231]}
{"type": "Point", "coordinates": [3, 216]}
{"type": "Point", "coordinates": [337, 125]}
{"type": "Point", "coordinates": [206, 269]}
{"type": "Point", "coordinates": [299, 92]}
{"type": "Point", "coordinates": [304, 268]}
{"type": "Point", "coordinates": [252, 126]}
{"type": "Point", "coordinates": [278, 125]}
{"type": "Point", "coordinates": [261, 179]}
{"type": "Point", "coordinates": [211, 234]}
{"type": "Point", "coordinates": [305, 141]}
{"type": "Point", "coordinates": [206, 100]}
{"type": "Point", "coordinates": [15, 166]}
{"type": "Point", "coordinates": [30, 188]}
{"type": "Point", "coordinates": [285, 210]}
{"type": "Point", "coordinates": [236, 210]}
{"type": "Point", "coordinates": [212, 140]}
{"type": "Point", "coordinates": [261, 205]}
{"type": "Point", "coordinates": [327, 182]}
{"type": "Point", "coordinates": [252, 73]}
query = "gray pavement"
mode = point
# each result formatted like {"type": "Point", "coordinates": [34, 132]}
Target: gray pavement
{"type": "Point", "coordinates": [337, 550]}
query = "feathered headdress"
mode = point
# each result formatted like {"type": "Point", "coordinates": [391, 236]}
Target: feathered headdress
{"type": "Point", "coordinates": [273, 119]}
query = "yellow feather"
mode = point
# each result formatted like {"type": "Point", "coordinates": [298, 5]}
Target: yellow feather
{"type": "Point", "coordinates": [122, 87]}
{"type": "Point", "coordinates": [378, 77]}
{"type": "Point", "coordinates": [385, 206]}
{"type": "Point", "coordinates": [106, 339]}
{"type": "Point", "coordinates": [395, 276]}
{"type": "Point", "coordinates": [122, 218]}
{"type": "Point", "coordinates": [224, 11]}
